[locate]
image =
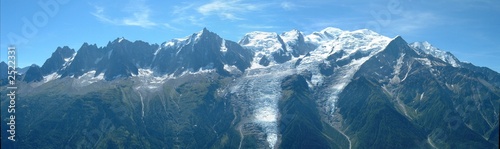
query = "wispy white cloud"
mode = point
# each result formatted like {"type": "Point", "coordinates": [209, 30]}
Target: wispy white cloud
{"type": "Point", "coordinates": [182, 9]}
{"type": "Point", "coordinates": [189, 19]}
{"type": "Point", "coordinates": [227, 9]}
{"type": "Point", "coordinates": [99, 14]}
{"type": "Point", "coordinates": [140, 18]}
{"type": "Point", "coordinates": [167, 25]}
{"type": "Point", "coordinates": [288, 5]}
{"type": "Point", "coordinates": [236, 11]}
{"type": "Point", "coordinates": [139, 15]}
{"type": "Point", "coordinates": [410, 22]}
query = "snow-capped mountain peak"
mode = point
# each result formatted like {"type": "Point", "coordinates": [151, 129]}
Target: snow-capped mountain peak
{"type": "Point", "coordinates": [120, 39]}
{"type": "Point", "coordinates": [333, 39]}
{"type": "Point", "coordinates": [261, 41]}
{"type": "Point", "coordinates": [179, 42]}
{"type": "Point", "coordinates": [426, 48]}
{"type": "Point", "coordinates": [200, 34]}
{"type": "Point", "coordinates": [332, 80]}
{"type": "Point", "coordinates": [291, 36]}
{"type": "Point", "coordinates": [326, 34]}
{"type": "Point", "coordinates": [176, 41]}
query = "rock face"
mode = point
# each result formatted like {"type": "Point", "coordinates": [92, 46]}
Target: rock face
{"type": "Point", "coordinates": [203, 50]}
{"type": "Point", "coordinates": [4, 68]}
{"type": "Point", "coordinates": [59, 59]}
{"type": "Point", "coordinates": [34, 74]}
{"type": "Point", "coordinates": [328, 89]}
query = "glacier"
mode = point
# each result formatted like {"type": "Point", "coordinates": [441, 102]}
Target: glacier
{"type": "Point", "coordinates": [259, 88]}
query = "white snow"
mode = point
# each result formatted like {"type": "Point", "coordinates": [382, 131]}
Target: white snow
{"type": "Point", "coordinates": [175, 43]}
{"type": "Point", "coordinates": [272, 138]}
{"type": "Point", "coordinates": [266, 42]}
{"type": "Point", "coordinates": [332, 40]}
{"type": "Point", "coordinates": [178, 43]}
{"type": "Point", "coordinates": [198, 35]}
{"type": "Point", "coordinates": [109, 54]}
{"type": "Point", "coordinates": [51, 77]}
{"type": "Point", "coordinates": [291, 37]}
{"type": "Point", "coordinates": [149, 80]}
{"type": "Point", "coordinates": [223, 46]}
{"type": "Point", "coordinates": [266, 114]}
{"type": "Point", "coordinates": [427, 48]}
{"type": "Point", "coordinates": [158, 50]}
{"type": "Point", "coordinates": [259, 89]}
{"type": "Point", "coordinates": [231, 68]}
{"type": "Point", "coordinates": [424, 61]}
{"type": "Point", "coordinates": [326, 34]}
{"type": "Point", "coordinates": [431, 142]}
{"type": "Point", "coordinates": [90, 77]}
{"type": "Point", "coordinates": [397, 70]}
{"type": "Point", "coordinates": [97, 60]}
{"type": "Point", "coordinates": [263, 44]}
{"type": "Point", "coordinates": [142, 105]}
{"type": "Point", "coordinates": [68, 61]}
{"type": "Point", "coordinates": [144, 72]}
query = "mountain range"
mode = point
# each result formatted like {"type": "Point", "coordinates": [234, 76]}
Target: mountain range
{"type": "Point", "coordinates": [328, 89]}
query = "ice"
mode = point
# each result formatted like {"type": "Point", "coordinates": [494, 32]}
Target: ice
{"type": "Point", "coordinates": [427, 48]}
{"type": "Point", "coordinates": [266, 114]}
{"type": "Point", "coordinates": [223, 47]}
{"type": "Point", "coordinates": [150, 80]}
{"type": "Point", "coordinates": [272, 138]}
{"type": "Point", "coordinates": [51, 77]}
{"type": "Point", "coordinates": [326, 34]}
{"type": "Point", "coordinates": [397, 70]}
{"type": "Point", "coordinates": [198, 35]}
{"type": "Point", "coordinates": [424, 61]}
{"type": "Point", "coordinates": [97, 60]}
{"type": "Point", "coordinates": [109, 54]}
{"type": "Point", "coordinates": [90, 77]}
{"type": "Point", "coordinates": [231, 68]}
{"type": "Point", "coordinates": [68, 61]}
{"type": "Point", "coordinates": [120, 39]}
{"type": "Point", "coordinates": [263, 42]}
{"type": "Point", "coordinates": [291, 37]}
{"type": "Point", "coordinates": [259, 89]}
{"type": "Point", "coordinates": [158, 50]}
{"type": "Point", "coordinates": [332, 40]}
{"type": "Point", "coordinates": [142, 105]}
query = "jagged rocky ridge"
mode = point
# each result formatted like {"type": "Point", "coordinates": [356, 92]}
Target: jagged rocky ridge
{"type": "Point", "coordinates": [328, 89]}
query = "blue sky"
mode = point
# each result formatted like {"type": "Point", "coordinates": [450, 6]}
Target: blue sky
{"type": "Point", "coordinates": [467, 28]}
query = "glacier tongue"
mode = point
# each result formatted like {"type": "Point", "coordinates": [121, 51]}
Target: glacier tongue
{"type": "Point", "coordinates": [260, 90]}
